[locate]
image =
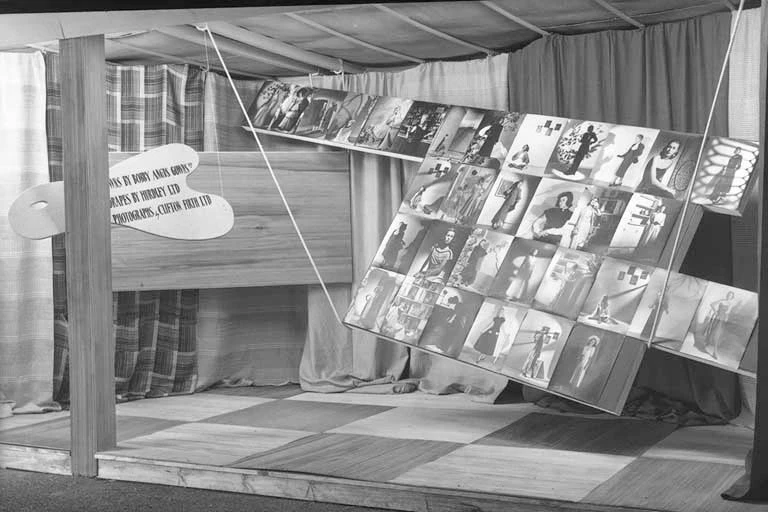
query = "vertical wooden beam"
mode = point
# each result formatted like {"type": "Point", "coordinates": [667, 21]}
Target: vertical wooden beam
{"type": "Point", "coordinates": [88, 244]}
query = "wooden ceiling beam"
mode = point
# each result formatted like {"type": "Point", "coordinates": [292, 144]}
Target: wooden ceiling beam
{"type": "Point", "coordinates": [434, 31]}
{"type": "Point", "coordinates": [195, 36]}
{"type": "Point", "coordinates": [510, 16]}
{"type": "Point", "coordinates": [618, 12]}
{"type": "Point", "coordinates": [281, 48]}
{"type": "Point", "coordinates": [354, 40]}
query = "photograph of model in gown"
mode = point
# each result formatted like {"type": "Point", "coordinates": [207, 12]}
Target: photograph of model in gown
{"type": "Point", "coordinates": [383, 124]}
{"type": "Point", "coordinates": [264, 108]}
{"type": "Point", "coordinates": [291, 110]}
{"type": "Point", "coordinates": [522, 270]}
{"type": "Point", "coordinates": [533, 145]}
{"type": "Point", "coordinates": [407, 316]}
{"type": "Point", "coordinates": [493, 138]}
{"type": "Point", "coordinates": [585, 363]}
{"type": "Point", "coordinates": [480, 260]}
{"type": "Point", "coordinates": [429, 188]}
{"type": "Point", "coordinates": [574, 155]}
{"type": "Point", "coordinates": [676, 308]}
{"type": "Point", "coordinates": [507, 201]}
{"type": "Point", "coordinates": [644, 229]}
{"type": "Point", "coordinates": [595, 223]}
{"type": "Point", "coordinates": [319, 114]}
{"type": "Point", "coordinates": [439, 251]}
{"type": "Point", "coordinates": [350, 118]}
{"type": "Point", "coordinates": [615, 296]}
{"type": "Point", "coordinates": [450, 321]}
{"type": "Point", "coordinates": [722, 325]}
{"type": "Point", "coordinates": [725, 171]}
{"type": "Point", "coordinates": [670, 165]}
{"type": "Point", "coordinates": [492, 334]}
{"type": "Point", "coordinates": [536, 349]}
{"type": "Point", "coordinates": [373, 298]}
{"type": "Point", "coordinates": [567, 282]}
{"type": "Point", "coordinates": [620, 158]}
{"type": "Point", "coordinates": [454, 136]}
{"type": "Point", "coordinates": [418, 128]}
{"type": "Point", "coordinates": [468, 193]}
{"type": "Point", "coordinates": [401, 242]}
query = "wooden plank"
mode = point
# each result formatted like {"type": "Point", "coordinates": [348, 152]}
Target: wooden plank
{"type": "Point", "coordinates": [262, 249]}
{"type": "Point", "coordinates": [89, 284]}
{"type": "Point", "coordinates": [41, 460]}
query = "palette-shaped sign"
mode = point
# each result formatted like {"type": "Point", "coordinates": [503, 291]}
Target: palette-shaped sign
{"type": "Point", "coordinates": [147, 192]}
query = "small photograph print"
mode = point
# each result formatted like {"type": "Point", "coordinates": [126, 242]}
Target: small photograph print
{"type": "Point", "coordinates": [575, 153]}
{"type": "Point", "coordinates": [401, 243]}
{"type": "Point", "coordinates": [291, 109]}
{"type": "Point", "coordinates": [722, 325]}
{"type": "Point", "coordinates": [522, 270]}
{"type": "Point", "coordinates": [468, 193]}
{"type": "Point", "coordinates": [439, 251]}
{"type": "Point", "coordinates": [350, 118]}
{"type": "Point", "coordinates": [620, 157]}
{"type": "Point", "coordinates": [535, 140]}
{"type": "Point", "coordinates": [615, 296]}
{"type": "Point", "coordinates": [595, 222]}
{"type": "Point", "coordinates": [450, 321]}
{"type": "Point", "coordinates": [318, 117]}
{"type": "Point", "coordinates": [725, 171]}
{"type": "Point", "coordinates": [480, 260]}
{"type": "Point", "coordinates": [373, 298]}
{"type": "Point", "coordinates": [493, 138]}
{"type": "Point", "coordinates": [567, 282]}
{"type": "Point", "coordinates": [454, 136]}
{"type": "Point", "coordinates": [536, 349]}
{"type": "Point", "coordinates": [265, 107]}
{"type": "Point", "coordinates": [675, 308]}
{"type": "Point", "coordinates": [644, 229]}
{"type": "Point", "coordinates": [405, 318]}
{"type": "Point", "coordinates": [492, 334]}
{"type": "Point", "coordinates": [507, 201]}
{"type": "Point", "coordinates": [429, 188]}
{"type": "Point", "coordinates": [418, 128]}
{"type": "Point", "coordinates": [670, 165]}
{"type": "Point", "coordinates": [383, 124]}
{"type": "Point", "coordinates": [585, 363]}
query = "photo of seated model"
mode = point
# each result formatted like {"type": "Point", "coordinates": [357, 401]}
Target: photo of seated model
{"type": "Point", "coordinates": [438, 252]}
{"type": "Point", "coordinates": [520, 159]}
{"type": "Point", "coordinates": [429, 187]}
{"type": "Point", "coordinates": [291, 109]}
{"type": "Point", "coordinates": [550, 226]}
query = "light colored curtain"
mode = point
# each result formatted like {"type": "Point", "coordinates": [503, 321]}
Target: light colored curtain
{"type": "Point", "coordinates": [26, 291]}
{"type": "Point", "coordinates": [662, 76]}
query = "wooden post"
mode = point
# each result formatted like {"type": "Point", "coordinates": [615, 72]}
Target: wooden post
{"type": "Point", "coordinates": [88, 244]}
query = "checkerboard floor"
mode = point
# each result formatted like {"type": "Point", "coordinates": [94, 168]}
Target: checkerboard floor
{"type": "Point", "coordinates": [425, 440]}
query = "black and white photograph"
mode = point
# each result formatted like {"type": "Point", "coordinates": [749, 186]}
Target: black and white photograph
{"type": "Point", "coordinates": [468, 193]}
{"type": "Point", "coordinates": [418, 128]}
{"type": "Point", "coordinates": [373, 298]}
{"type": "Point", "coordinates": [491, 336]}
{"type": "Point", "coordinates": [493, 138]}
{"type": "Point", "coordinates": [596, 219]}
{"type": "Point", "coordinates": [429, 187]}
{"type": "Point", "coordinates": [480, 260]}
{"type": "Point", "coordinates": [722, 325]}
{"type": "Point", "coordinates": [350, 118]}
{"type": "Point", "coordinates": [644, 229]}
{"type": "Point", "coordinates": [533, 145]}
{"type": "Point", "coordinates": [291, 110]}
{"type": "Point", "coordinates": [401, 243]}
{"type": "Point", "coordinates": [725, 171]}
{"type": "Point", "coordinates": [620, 157]}
{"type": "Point", "coordinates": [575, 154]}
{"type": "Point", "coordinates": [264, 110]}
{"type": "Point", "coordinates": [670, 165]}
{"type": "Point", "coordinates": [318, 116]}
{"type": "Point", "coordinates": [567, 282]}
{"type": "Point", "coordinates": [507, 202]}
{"type": "Point", "coordinates": [675, 308]}
{"type": "Point", "coordinates": [537, 347]}
{"type": "Point", "coordinates": [450, 321]}
{"type": "Point", "coordinates": [454, 136]}
{"type": "Point", "coordinates": [439, 251]}
{"type": "Point", "coordinates": [383, 124]}
{"type": "Point", "coordinates": [523, 269]}
{"type": "Point", "coordinates": [586, 362]}
{"type": "Point", "coordinates": [406, 316]}
{"type": "Point", "coordinates": [615, 296]}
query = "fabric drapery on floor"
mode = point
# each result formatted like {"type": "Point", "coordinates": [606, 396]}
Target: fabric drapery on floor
{"type": "Point", "coordinates": [26, 296]}
{"type": "Point", "coordinates": [156, 340]}
{"type": "Point", "coordinates": [663, 76]}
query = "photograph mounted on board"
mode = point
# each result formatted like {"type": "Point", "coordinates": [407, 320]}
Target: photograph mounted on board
{"type": "Point", "coordinates": [507, 201]}
{"type": "Point", "coordinates": [615, 296]}
{"type": "Point", "coordinates": [319, 115]}
{"type": "Point", "coordinates": [401, 242]}
{"type": "Point", "coordinates": [450, 321]}
{"type": "Point", "coordinates": [492, 334]}
{"type": "Point", "coordinates": [373, 298]}
{"type": "Point", "coordinates": [439, 251]}
{"type": "Point", "coordinates": [567, 282]}
{"type": "Point", "coordinates": [620, 157]}
{"type": "Point", "coordinates": [264, 108]}
{"type": "Point", "coordinates": [480, 260]}
{"type": "Point", "coordinates": [350, 118]}
{"type": "Point", "coordinates": [408, 313]}
{"type": "Point", "coordinates": [722, 326]}
{"type": "Point", "coordinates": [383, 123]}
{"type": "Point", "coordinates": [535, 140]}
{"type": "Point", "coordinates": [522, 270]}
{"type": "Point", "coordinates": [429, 187]}
{"type": "Point", "coordinates": [536, 349]}
{"type": "Point", "coordinates": [454, 136]}
{"type": "Point", "coordinates": [418, 128]}
{"type": "Point", "coordinates": [576, 152]}
{"type": "Point", "coordinates": [596, 219]}
{"type": "Point", "coordinates": [670, 165]}
{"type": "Point", "coordinates": [493, 138]}
{"type": "Point", "coordinates": [468, 193]}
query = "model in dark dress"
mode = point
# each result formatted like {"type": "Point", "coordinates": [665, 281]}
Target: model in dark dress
{"type": "Point", "coordinates": [486, 342]}
{"type": "Point", "coordinates": [630, 156]}
{"type": "Point", "coordinates": [585, 144]}
{"type": "Point", "coordinates": [511, 198]}
{"type": "Point", "coordinates": [394, 245]}
{"type": "Point", "coordinates": [469, 272]}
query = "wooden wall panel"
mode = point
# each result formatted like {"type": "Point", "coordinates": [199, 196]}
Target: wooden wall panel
{"type": "Point", "coordinates": [262, 249]}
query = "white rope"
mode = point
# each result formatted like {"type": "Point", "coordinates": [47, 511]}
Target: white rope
{"type": "Point", "coordinates": [274, 177]}
{"type": "Point", "coordinates": [689, 191]}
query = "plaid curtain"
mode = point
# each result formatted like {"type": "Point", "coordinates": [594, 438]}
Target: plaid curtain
{"type": "Point", "coordinates": [155, 332]}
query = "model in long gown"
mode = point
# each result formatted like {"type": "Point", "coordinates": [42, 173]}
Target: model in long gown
{"type": "Point", "coordinates": [585, 145]}
{"type": "Point", "coordinates": [486, 342]}
{"type": "Point", "coordinates": [511, 198]}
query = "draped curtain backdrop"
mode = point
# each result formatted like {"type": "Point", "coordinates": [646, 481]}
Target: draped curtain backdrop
{"type": "Point", "coordinates": [155, 331]}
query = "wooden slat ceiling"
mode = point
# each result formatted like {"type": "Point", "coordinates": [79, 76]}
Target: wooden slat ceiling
{"type": "Point", "coordinates": [368, 36]}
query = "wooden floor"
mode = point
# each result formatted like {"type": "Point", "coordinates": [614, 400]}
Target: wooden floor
{"type": "Point", "coordinates": [410, 452]}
